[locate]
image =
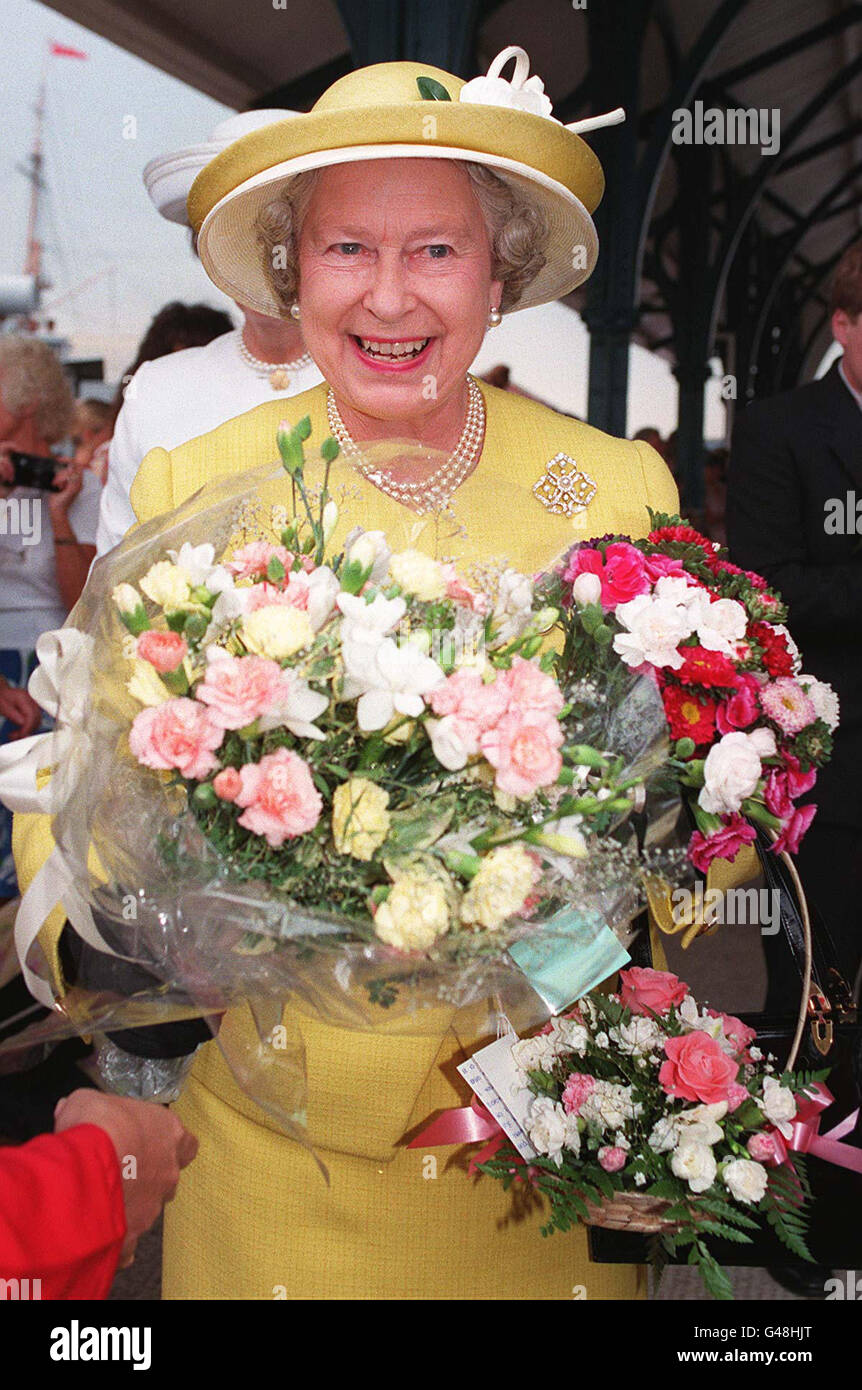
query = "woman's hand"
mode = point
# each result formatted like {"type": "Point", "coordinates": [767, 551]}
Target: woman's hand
{"type": "Point", "coordinates": [20, 709]}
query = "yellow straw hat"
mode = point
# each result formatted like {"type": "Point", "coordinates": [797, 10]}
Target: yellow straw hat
{"type": "Point", "coordinates": [408, 111]}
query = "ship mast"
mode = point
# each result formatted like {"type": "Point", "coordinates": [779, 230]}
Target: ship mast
{"type": "Point", "coordinates": [33, 171]}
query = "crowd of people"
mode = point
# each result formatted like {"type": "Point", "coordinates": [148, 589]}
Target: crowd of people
{"type": "Point", "coordinates": [309, 331]}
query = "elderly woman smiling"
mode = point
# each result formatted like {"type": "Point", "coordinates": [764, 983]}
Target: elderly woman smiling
{"type": "Point", "coordinates": [397, 221]}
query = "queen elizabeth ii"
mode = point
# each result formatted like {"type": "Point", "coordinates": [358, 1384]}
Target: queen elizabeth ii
{"type": "Point", "coordinates": [397, 222]}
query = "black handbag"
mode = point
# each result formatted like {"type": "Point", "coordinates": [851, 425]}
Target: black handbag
{"type": "Point", "coordinates": [824, 1031]}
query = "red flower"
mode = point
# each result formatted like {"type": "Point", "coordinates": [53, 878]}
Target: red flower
{"type": "Point", "coordinates": [776, 653]}
{"type": "Point", "coordinates": [702, 667]}
{"type": "Point", "coordinates": [722, 844]}
{"type": "Point", "coordinates": [793, 829]}
{"type": "Point", "coordinates": [686, 535]}
{"type": "Point", "coordinates": [689, 715]}
{"type": "Point", "coordinates": [742, 708]}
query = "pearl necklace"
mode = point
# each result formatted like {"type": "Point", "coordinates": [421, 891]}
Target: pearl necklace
{"type": "Point", "coordinates": [434, 492]}
{"type": "Point", "coordinates": [279, 373]}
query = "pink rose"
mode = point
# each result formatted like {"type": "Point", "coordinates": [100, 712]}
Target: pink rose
{"type": "Point", "coordinates": [734, 1029]}
{"type": "Point", "coordinates": [622, 571]}
{"type": "Point", "coordinates": [736, 1094]}
{"type": "Point", "coordinates": [741, 709]}
{"type": "Point", "coordinates": [524, 752]}
{"type": "Point", "coordinates": [251, 561]}
{"type": "Point", "coordinates": [239, 688]}
{"type": "Point", "coordinates": [577, 1089]}
{"type": "Point", "coordinates": [227, 783]}
{"type": "Point", "coordinates": [163, 650]}
{"type": "Point", "coordinates": [612, 1160]}
{"type": "Point", "coordinates": [280, 797]}
{"type": "Point", "coordinates": [793, 829]}
{"type": "Point", "coordinates": [697, 1069]}
{"type": "Point", "coordinates": [722, 844]}
{"type": "Point", "coordinates": [179, 734]}
{"type": "Point", "coordinates": [647, 991]}
{"type": "Point", "coordinates": [530, 691]}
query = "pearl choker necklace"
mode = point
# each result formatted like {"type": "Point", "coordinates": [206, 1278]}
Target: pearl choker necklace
{"type": "Point", "coordinates": [279, 373]}
{"type": "Point", "coordinates": [434, 492]}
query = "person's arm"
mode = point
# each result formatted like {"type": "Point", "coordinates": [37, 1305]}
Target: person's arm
{"type": "Point", "coordinates": [661, 489]}
{"type": "Point", "coordinates": [72, 556]}
{"type": "Point", "coordinates": [125, 454]}
{"type": "Point", "coordinates": [766, 531]}
{"type": "Point", "coordinates": [62, 1217]}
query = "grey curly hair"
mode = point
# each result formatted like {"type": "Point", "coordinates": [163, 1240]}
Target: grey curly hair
{"type": "Point", "coordinates": [517, 228]}
{"type": "Point", "coordinates": [31, 378]}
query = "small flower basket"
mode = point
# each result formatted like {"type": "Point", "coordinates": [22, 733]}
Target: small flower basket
{"type": "Point", "coordinates": [635, 1212]}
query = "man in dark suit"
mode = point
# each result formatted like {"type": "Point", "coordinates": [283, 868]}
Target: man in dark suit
{"type": "Point", "coordinates": [792, 514]}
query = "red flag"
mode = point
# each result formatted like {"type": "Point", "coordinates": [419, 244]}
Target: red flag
{"type": "Point", "coordinates": [62, 50]}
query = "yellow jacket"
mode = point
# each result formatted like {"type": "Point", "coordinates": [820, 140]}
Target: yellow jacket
{"type": "Point", "coordinates": [253, 1218]}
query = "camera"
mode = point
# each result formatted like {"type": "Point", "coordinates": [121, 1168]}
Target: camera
{"type": "Point", "coordinates": [34, 470]}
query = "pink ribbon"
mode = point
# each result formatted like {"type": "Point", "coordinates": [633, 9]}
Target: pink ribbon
{"type": "Point", "coordinates": [469, 1124]}
{"type": "Point", "coordinates": [807, 1139]}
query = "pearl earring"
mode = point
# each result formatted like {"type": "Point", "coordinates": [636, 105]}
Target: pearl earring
{"type": "Point", "coordinates": [494, 317]}
{"type": "Point", "coordinates": [294, 310]}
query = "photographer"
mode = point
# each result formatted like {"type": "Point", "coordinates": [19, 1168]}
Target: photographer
{"type": "Point", "coordinates": [48, 515]}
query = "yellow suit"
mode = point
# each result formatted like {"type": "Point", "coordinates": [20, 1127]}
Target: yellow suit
{"type": "Point", "coordinates": [253, 1218]}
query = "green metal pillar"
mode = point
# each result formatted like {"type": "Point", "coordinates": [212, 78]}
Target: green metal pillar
{"type": "Point", "coordinates": [384, 31]}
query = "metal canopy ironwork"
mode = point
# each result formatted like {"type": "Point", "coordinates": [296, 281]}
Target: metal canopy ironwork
{"type": "Point", "coordinates": [707, 249]}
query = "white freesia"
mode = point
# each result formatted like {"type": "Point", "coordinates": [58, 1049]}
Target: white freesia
{"type": "Point", "coordinates": [778, 1105]}
{"type": "Point", "coordinates": [513, 607]}
{"type": "Point", "coordinates": [195, 560]}
{"type": "Point", "coordinates": [389, 678]}
{"type": "Point", "coordinates": [329, 520]}
{"type": "Point", "coordinates": [323, 590]}
{"type": "Point", "coordinates": [695, 1162]}
{"type": "Point", "coordinates": [824, 700]}
{"type": "Point", "coordinates": [700, 1123]}
{"type": "Point", "coordinates": [733, 768]}
{"type": "Point", "coordinates": [547, 1127]}
{"type": "Point", "coordinates": [451, 748]}
{"type": "Point", "coordinates": [298, 711]}
{"type": "Point", "coordinates": [370, 550]}
{"type": "Point", "coordinates": [375, 619]}
{"type": "Point", "coordinates": [744, 1179]}
{"type": "Point", "coordinates": [655, 629]}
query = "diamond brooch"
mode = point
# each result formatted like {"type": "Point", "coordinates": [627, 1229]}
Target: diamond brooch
{"type": "Point", "coordinates": [563, 488]}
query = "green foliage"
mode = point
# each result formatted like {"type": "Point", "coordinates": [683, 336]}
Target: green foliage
{"type": "Point", "coordinates": [432, 90]}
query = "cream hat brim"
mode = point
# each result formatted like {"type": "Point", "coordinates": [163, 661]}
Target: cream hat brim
{"type": "Point", "coordinates": [232, 258]}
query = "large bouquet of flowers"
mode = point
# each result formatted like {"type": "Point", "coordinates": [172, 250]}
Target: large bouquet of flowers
{"type": "Point", "coordinates": [647, 1112]}
{"type": "Point", "coordinates": [749, 729]}
{"type": "Point", "coordinates": [298, 766]}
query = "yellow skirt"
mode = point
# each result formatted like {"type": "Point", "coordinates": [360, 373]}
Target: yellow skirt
{"type": "Point", "coordinates": [254, 1218]}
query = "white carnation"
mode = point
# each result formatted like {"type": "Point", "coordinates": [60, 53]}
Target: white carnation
{"type": "Point", "coordinates": [824, 700]}
{"type": "Point", "coordinates": [695, 1162]}
{"type": "Point", "coordinates": [547, 1127]}
{"type": "Point", "coordinates": [778, 1105]}
{"type": "Point", "coordinates": [744, 1179]}
{"type": "Point", "coordinates": [732, 770]}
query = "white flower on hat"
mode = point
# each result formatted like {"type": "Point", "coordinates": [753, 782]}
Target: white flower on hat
{"type": "Point", "coordinates": [523, 93]}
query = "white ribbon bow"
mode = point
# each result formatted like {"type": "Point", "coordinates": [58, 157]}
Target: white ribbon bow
{"type": "Point", "coordinates": [60, 686]}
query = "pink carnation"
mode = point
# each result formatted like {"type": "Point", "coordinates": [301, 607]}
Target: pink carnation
{"type": "Point", "coordinates": [785, 785]}
{"type": "Point", "coordinates": [294, 594]}
{"type": "Point", "coordinates": [251, 561]}
{"type": "Point", "coordinates": [473, 702]}
{"type": "Point", "coordinates": [743, 707]}
{"type": "Point", "coordinates": [163, 650]}
{"type": "Point", "coordinates": [612, 1159]}
{"type": "Point", "coordinates": [280, 797]}
{"type": "Point", "coordinates": [578, 1088]}
{"type": "Point", "coordinates": [622, 571]}
{"type": "Point", "coordinates": [722, 844]}
{"type": "Point", "coordinates": [647, 991]}
{"type": "Point", "coordinates": [697, 1069]}
{"type": "Point", "coordinates": [794, 828]}
{"type": "Point", "coordinates": [530, 691]}
{"type": "Point", "coordinates": [658, 566]}
{"type": "Point", "coordinates": [524, 752]}
{"type": "Point", "coordinates": [178, 734]}
{"type": "Point", "coordinates": [239, 688]}
{"type": "Point", "coordinates": [766, 1146]}
{"type": "Point", "coordinates": [736, 1094]}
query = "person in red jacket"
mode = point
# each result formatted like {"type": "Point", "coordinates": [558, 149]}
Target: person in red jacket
{"type": "Point", "coordinates": [74, 1203]}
